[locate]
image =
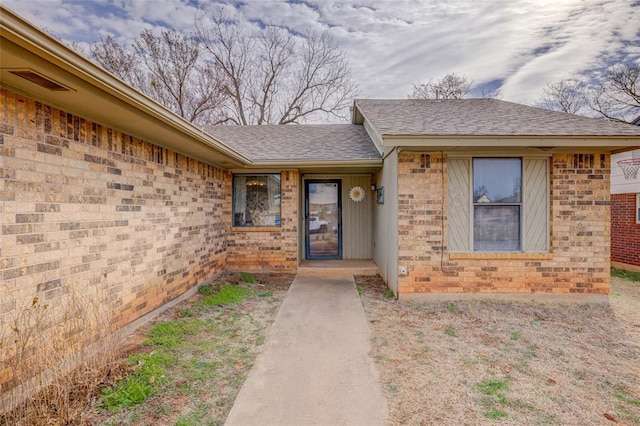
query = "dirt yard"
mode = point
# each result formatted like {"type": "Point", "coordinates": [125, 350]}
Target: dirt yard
{"type": "Point", "coordinates": [508, 363]}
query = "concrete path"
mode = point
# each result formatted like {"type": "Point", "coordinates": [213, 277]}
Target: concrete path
{"type": "Point", "coordinates": [315, 369]}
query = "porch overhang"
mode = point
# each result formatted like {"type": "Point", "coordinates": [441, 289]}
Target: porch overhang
{"type": "Point", "coordinates": [364, 166]}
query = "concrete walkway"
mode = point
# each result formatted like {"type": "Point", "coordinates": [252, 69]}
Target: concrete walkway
{"type": "Point", "coordinates": [315, 369]}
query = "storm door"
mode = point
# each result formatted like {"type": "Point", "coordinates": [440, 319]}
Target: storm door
{"type": "Point", "coordinates": [323, 224]}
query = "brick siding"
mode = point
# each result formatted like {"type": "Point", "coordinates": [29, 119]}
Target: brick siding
{"type": "Point", "coordinates": [83, 206]}
{"type": "Point", "coordinates": [578, 261]}
{"type": "Point", "coordinates": [86, 208]}
{"type": "Point", "coordinates": [625, 232]}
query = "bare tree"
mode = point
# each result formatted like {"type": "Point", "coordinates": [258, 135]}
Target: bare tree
{"type": "Point", "coordinates": [176, 76]}
{"type": "Point", "coordinates": [617, 98]}
{"type": "Point", "coordinates": [168, 68]}
{"type": "Point", "coordinates": [274, 77]}
{"type": "Point", "coordinates": [569, 96]}
{"type": "Point", "coordinates": [451, 86]}
{"type": "Point", "coordinates": [116, 59]}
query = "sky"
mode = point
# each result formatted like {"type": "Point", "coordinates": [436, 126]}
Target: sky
{"type": "Point", "coordinates": [514, 47]}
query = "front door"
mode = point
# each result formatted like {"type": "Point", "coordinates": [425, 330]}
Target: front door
{"type": "Point", "coordinates": [323, 224]}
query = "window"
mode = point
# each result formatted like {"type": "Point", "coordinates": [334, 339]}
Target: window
{"type": "Point", "coordinates": [637, 208]}
{"type": "Point", "coordinates": [497, 203]}
{"type": "Point", "coordinates": [256, 200]}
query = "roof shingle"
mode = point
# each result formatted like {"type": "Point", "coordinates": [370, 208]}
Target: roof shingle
{"type": "Point", "coordinates": [298, 142]}
{"type": "Point", "coordinates": [480, 117]}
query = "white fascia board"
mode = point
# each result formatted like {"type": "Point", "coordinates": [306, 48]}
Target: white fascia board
{"type": "Point", "coordinates": [509, 141]}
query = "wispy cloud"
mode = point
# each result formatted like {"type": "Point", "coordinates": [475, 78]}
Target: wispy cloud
{"type": "Point", "coordinates": [513, 46]}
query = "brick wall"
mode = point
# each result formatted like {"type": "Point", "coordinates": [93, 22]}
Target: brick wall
{"type": "Point", "coordinates": [84, 207]}
{"type": "Point", "coordinates": [625, 232]}
{"type": "Point", "coordinates": [579, 213]}
{"type": "Point", "coordinates": [269, 248]}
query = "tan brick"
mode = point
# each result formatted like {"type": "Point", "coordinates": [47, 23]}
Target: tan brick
{"type": "Point", "coordinates": [578, 230]}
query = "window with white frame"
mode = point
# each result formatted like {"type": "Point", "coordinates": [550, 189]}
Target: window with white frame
{"type": "Point", "coordinates": [637, 208]}
{"type": "Point", "coordinates": [498, 204]}
{"type": "Point", "coordinates": [256, 200]}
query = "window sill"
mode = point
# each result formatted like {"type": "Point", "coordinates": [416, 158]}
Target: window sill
{"type": "Point", "coordinates": [500, 255]}
{"type": "Point", "coordinates": [256, 229]}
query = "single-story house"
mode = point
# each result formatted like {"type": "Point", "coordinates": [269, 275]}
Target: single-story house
{"type": "Point", "coordinates": [473, 196]}
{"type": "Point", "coordinates": [101, 187]}
{"type": "Point", "coordinates": [625, 208]}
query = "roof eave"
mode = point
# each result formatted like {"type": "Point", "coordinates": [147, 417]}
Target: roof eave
{"type": "Point", "coordinates": [512, 140]}
{"type": "Point", "coordinates": [24, 35]}
{"type": "Point", "coordinates": [316, 163]}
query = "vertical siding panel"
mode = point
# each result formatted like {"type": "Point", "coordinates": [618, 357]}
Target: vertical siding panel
{"type": "Point", "coordinates": [357, 219]}
{"type": "Point", "coordinates": [459, 204]}
{"type": "Point", "coordinates": [535, 193]}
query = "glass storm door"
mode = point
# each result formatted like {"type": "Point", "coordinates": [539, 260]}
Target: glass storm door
{"type": "Point", "coordinates": [323, 214]}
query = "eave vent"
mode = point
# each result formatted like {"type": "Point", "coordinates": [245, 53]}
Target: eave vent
{"type": "Point", "coordinates": [40, 80]}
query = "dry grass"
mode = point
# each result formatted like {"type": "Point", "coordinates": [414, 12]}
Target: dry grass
{"type": "Point", "coordinates": [208, 364]}
{"type": "Point", "coordinates": [515, 363]}
{"type": "Point", "coordinates": [440, 363]}
{"type": "Point", "coordinates": [57, 354]}
{"type": "Point", "coordinates": [199, 386]}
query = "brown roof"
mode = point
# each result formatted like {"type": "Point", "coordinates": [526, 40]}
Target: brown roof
{"type": "Point", "coordinates": [298, 142]}
{"type": "Point", "coordinates": [480, 117]}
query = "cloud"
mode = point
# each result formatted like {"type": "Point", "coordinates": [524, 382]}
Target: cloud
{"type": "Point", "coordinates": [514, 46]}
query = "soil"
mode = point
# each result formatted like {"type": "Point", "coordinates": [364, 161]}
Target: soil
{"type": "Point", "coordinates": [483, 362]}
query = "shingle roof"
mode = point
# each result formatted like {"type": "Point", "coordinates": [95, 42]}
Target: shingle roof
{"type": "Point", "coordinates": [298, 142]}
{"type": "Point", "coordinates": [480, 117]}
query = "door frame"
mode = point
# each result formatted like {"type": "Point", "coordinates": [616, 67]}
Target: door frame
{"type": "Point", "coordinates": [307, 247]}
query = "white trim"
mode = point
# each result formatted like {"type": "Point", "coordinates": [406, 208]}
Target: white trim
{"type": "Point", "coordinates": [546, 142]}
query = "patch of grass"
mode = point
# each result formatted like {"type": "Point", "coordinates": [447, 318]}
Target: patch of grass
{"type": "Point", "coordinates": [186, 312]}
{"type": "Point", "coordinates": [197, 370]}
{"type": "Point", "coordinates": [360, 289]}
{"type": "Point", "coordinates": [522, 405]}
{"type": "Point", "coordinates": [515, 335]}
{"type": "Point", "coordinates": [492, 387]}
{"type": "Point", "coordinates": [268, 293]}
{"type": "Point", "coordinates": [137, 387]}
{"type": "Point", "coordinates": [627, 275]}
{"type": "Point", "coordinates": [170, 333]}
{"type": "Point", "coordinates": [390, 294]}
{"type": "Point", "coordinates": [195, 417]}
{"type": "Point", "coordinates": [452, 307]}
{"type": "Point", "coordinates": [495, 414]}
{"type": "Point", "coordinates": [623, 395]}
{"type": "Point", "coordinates": [227, 294]}
{"type": "Point", "coordinates": [450, 331]}
{"type": "Point", "coordinates": [248, 278]}
{"type": "Point", "coordinates": [206, 289]}
{"type": "Point", "coordinates": [493, 391]}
